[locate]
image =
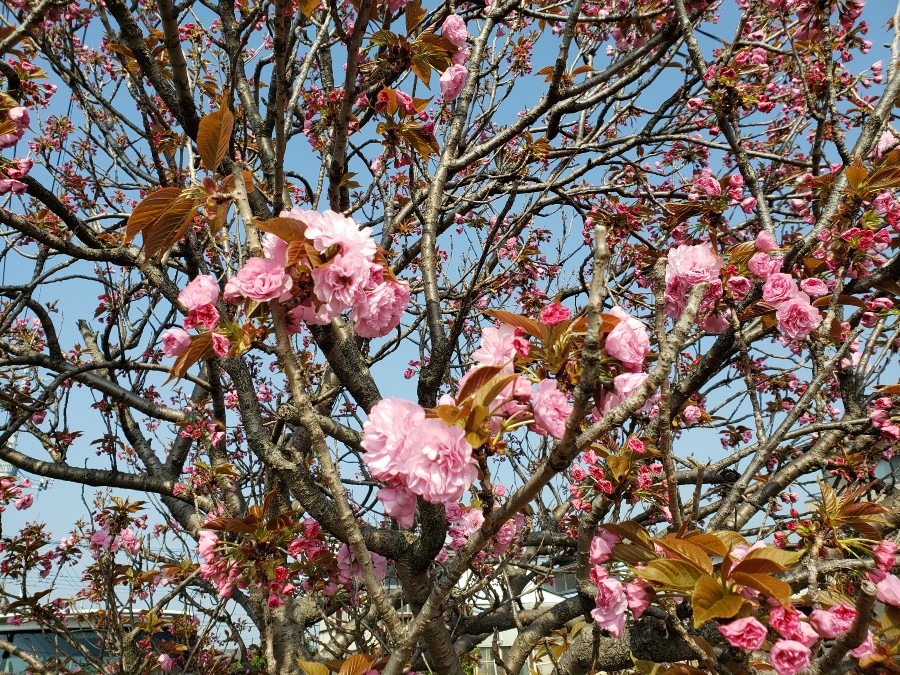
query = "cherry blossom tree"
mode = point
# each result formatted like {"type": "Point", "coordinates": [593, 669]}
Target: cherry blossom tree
{"type": "Point", "coordinates": [404, 310]}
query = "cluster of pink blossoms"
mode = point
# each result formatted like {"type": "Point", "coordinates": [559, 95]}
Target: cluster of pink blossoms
{"type": "Point", "coordinates": [415, 456]}
{"type": "Point", "coordinates": [545, 404]}
{"type": "Point", "coordinates": [224, 573]}
{"type": "Point", "coordinates": [797, 632]}
{"type": "Point", "coordinates": [629, 344]}
{"type": "Point", "coordinates": [12, 491]}
{"type": "Point", "coordinates": [614, 598]}
{"type": "Point", "coordinates": [692, 265]}
{"type": "Point", "coordinates": [453, 80]}
{"type": "Point", "coordinates": [12, 172]}
{"type": "Point", "coordinates": [348, 278]}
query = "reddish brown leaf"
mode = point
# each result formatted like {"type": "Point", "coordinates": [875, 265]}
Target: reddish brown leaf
{"type": "Point", "coordinates": [289, 229]}
{"type": "Point", "coordinates": [414, 15]}
{"type": "Point", "coordinates": [171, 225]}
{"type": "Point", "coordinates": [765, 584]}
{"type": "Point", "coordinates": [842, 299]}
{"type": "Point", "coordinates": [478, 378]}
{"type": "Point", "coordinates": [756, 309]}
{"type": "Point", "coordinates": [530, 326]}
{"type": "Point", "coordinates": [213, 137]}
{"type": "Point", "coordinates": [688, 552]}
{"type": "Point", "coordinates": [149, 210]}
{"type": "Point", "coordinates": [201, 348]}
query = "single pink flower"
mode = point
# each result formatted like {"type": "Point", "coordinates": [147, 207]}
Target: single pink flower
{"type": "Point", "coordinates": [554, 313]}
{"type": "Point", "coordinates": [602, 546]}
{"type": "Point", "coordinates": [496, 348]}
{"type": "Point", "coordinates": [739, 286]}
{"type": "Point", "coordinates": [784, 620]}
{"type": "Point", "coordinates": [885, 554]}
{"type": "Point", "coordinates": [385, 434]}
{"type": "Point", "coordinates": [889, 590]}
{"type": "Point", "coordinates": [638, 597]}
{"type": "Point", "coordinates": [692, 265]}
{"type": "Point", "coordinates": [813, 287]}
{"type": "Point", "coordinates": [789, 657]}
{"type": "Point", "coordinates": [454, 29]}
{"type": "Point", "coordinates": [745, 633]}
{"type": "Point", "coordinates": [175, 341]}
{"type": "Point", "coordinates": [381, 308]}
{"type": "Point", "coordinates": [765, 242]}
{"type": "Point", "coordinates": [779, 288]}
{"type": "Point", "coordinates": [341, 282]}
{"type": "Point", "coordinates": [202, 290]}
{"type": "Point", "coordinates": [453, 80]}
{"type": "Point", "coordinates": [400, 504]}
{"type": "Point", "coordinates": [439, 465]}
{"type": "Point", "coordinates": [260, 279]}
{"type": "Point", "coordinates": [628, 341]}
{"type": "Point", "coordinates": [166, 664]}
{"type": "Point", "coordinates": [762, 265]}
{"type": "Point", "coordinates": [609, 614]}
{"type": "Point", "coordinates": [797, 318]}
{"type": "Point", "coordinates": [867, 648]}
{"type": "Point", "coordinates": [691, 415]}
{"type": "Point", "coordinates": [551, 409]}
{"type": "Point", "coordinates": [221, 344]}
{"type": "Point", "coordinates": [206, 316]}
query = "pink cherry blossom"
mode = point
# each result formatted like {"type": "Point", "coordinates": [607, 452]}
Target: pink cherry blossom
{"type": "Point", "coordinates": [551, 409]}
{"type": "Point", "coordinates": [380, 309]}
{"type": "Point", "coordinates": [789, 657]}
{"type": "Point", "coordinates": [779, 288]}
{"type": "Point", "coordinates": [797, 318]}
{"type": "Point", "coordinates": [275, 248]}
{"type": "Point", "coordinates": [453, 80]}
{"type": "Point", "coordinates": [762, 265]}
{"type": "Point", "coordinates": [602, 546]}
{"type": "Point", "coordinates": [739, 286]}
{"type": "Point", "coordinates": [496, 347]}
{"type": "Point", "coordinates": [609, 614]}
{"type": "Point", "coordinates": [833, 622]}
{"type": "Point", "coordinates": [745, 633]}
{"type": "Point", "coordinates": [866, 648]}
{"type": "Point", "coordinates": [765, 242]}
{"type": "Point", "coordinates": [885, 554]}
{"type": "Point", "coordinates": [166, 664]}
{"type": "Point", "coordinates": [206, 316]}
{"type": "Point", "coordinates": [691, 415]}
{"type": "Point", "coordinates": [624, 386]}
{"type": "Point", "coordinates": [692, 265]}
{"type": "Point", "coordinates": [341, 281]}
{"type": "Point", "coordinates": [440, 467]}
{"type": "Point", "coordinates": [784, 620]}
{"type": "Point", "coordinates": [384, 437]}
{"type": "Point", "coordinates": [259, 279]}
{"type": "Point", "coordinates": [400, 504]}
{"type": "Point", "coordinates": [553, 314]}
{"type": "Point", "coordinates": [628, 341]}
{"type": "Point", "coordinates": [889, 590]}
{"type": "Point", "coordinates": [638, 597]}
{"type": "Point", "coordinates": [175, 341]}
{"type": "Point", "coordinates": [454, 29]}
{"type": "Point", "coordinates": [813, 287]}
{"type": "Point", "coordinates": [202, 290]}
{"type": "Point", "coordinates": [221, 344]}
